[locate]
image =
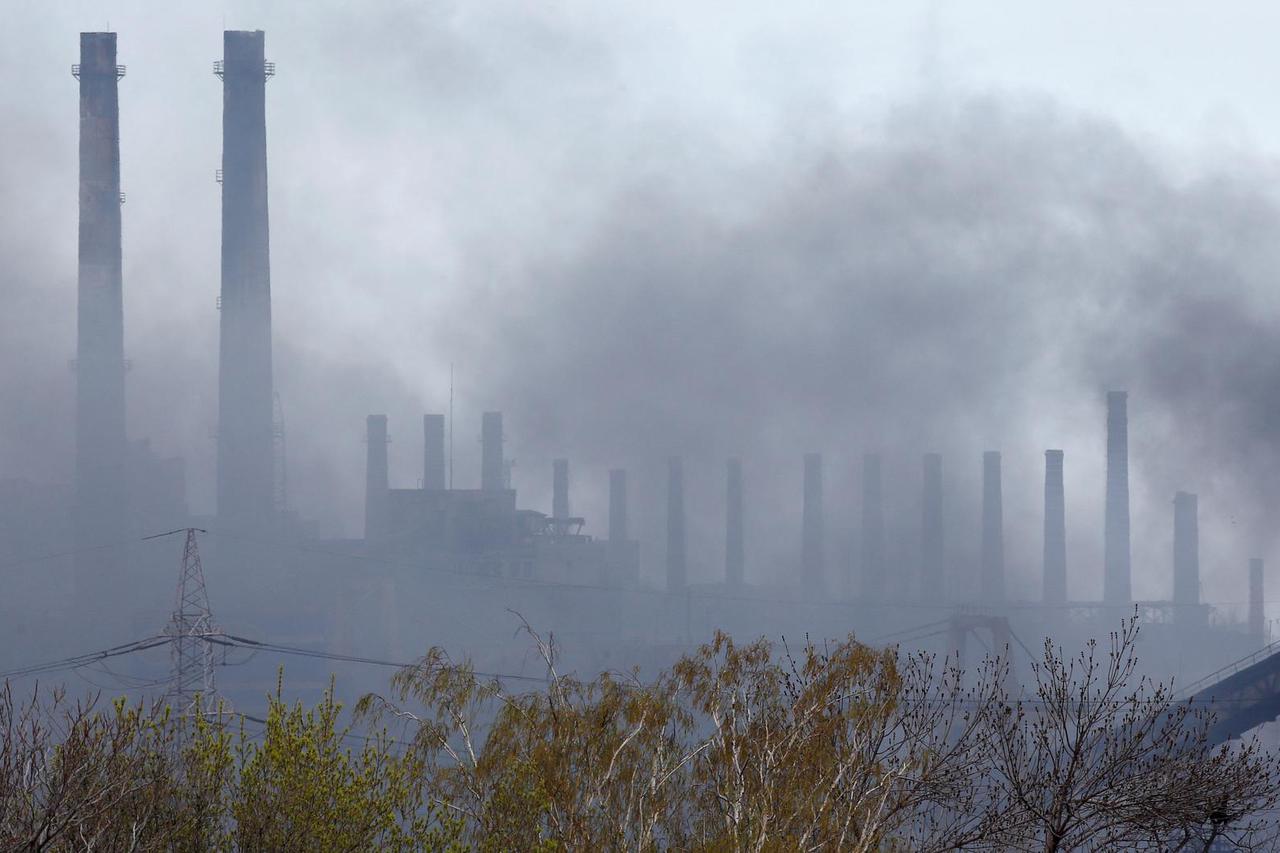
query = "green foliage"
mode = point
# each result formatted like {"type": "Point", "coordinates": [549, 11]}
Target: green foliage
{"type": "Point", "coordinates": [735, 747]}
{"type": "Point", "coordinates": [302, 788]}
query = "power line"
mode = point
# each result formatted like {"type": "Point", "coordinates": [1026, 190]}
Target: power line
{"type": "Point", "coordinates": [87, 658]}
{"type": "Point", "coordinates": [41, 558]}
{"type": "Point", "coordinates": [244, 642]}
{"type": "Point", "coordinates": [1172, 699]}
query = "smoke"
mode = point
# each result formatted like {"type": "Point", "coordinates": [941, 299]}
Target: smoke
{"type": "Point", "coordinates": [628, 278]}
{"type": "Point", "coordinates": [969, 276]}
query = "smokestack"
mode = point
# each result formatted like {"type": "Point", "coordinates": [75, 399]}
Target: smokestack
{"type": "Point", "coordinates": [1257, 607]}
{"type": "Point", "coordinates": [560, 489]}
{"type": "Point", "coordinates": [932, 579]}
{"type": "Point", "coordinates": [375, 478]}
{"type": "Point", "coordinates": [492, 478]}
{"type": "Point", "coordinates": [246, 435]}
{"type": "Point", "coordinates": [872, 546]}
{"type": "Point", "coordinates": [617, 506]}
{"type": "Point", "coordinates": [1186, 555]}
{"type": "Point", "coordinates": [101, 491]}
{"type": "Point", "coordinates": [734, 558]}
{"type": "Point", "coordinates": [1117, 588]}
{"type": "Point", "coordinates": [813, 568]}
{"type": "Point", "coordinates": [433, 452]}
{"type": "Point", "coordinates": [677, 575]}
{"type": "Point", "coordinates": [992, 581]}
{"type": "Point", "coordinates": [1055, 530]}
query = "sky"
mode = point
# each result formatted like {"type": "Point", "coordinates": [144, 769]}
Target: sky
{"type": "Point", "coordinates": [705, 229]}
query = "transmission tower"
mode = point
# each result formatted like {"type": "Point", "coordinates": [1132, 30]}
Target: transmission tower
{"type": "Point", "coordinates": [190, 626]}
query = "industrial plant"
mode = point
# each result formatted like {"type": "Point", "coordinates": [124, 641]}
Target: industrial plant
{"type": "Point", "coordinates": [445, 554]}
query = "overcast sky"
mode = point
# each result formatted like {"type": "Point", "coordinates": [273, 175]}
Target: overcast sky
{"type": "Point", "coordinates": [697, 228]}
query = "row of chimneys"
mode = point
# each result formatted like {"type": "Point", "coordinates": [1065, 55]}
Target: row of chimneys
{"type": "Point", "coordinates": [1117, 589]}
{"type": "Point", "coordinates": [492, 470]}
{"type": "Point", "coordinates": [1117, 584]}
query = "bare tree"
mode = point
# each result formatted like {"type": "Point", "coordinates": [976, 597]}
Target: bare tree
{"type": "Point", "coordinates": [73, 776]}
{"type": "Point", "coordinates": [1101, 758]}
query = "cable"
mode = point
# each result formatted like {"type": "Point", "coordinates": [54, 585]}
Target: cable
{"type": "Point", "coordinates": [87, 658]}
{"type": "Point", "coordinates": [245, 642]}
{"type": "Point", "coordinates": [40, 558]}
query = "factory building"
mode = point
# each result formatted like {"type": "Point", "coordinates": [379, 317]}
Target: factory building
{"type": "Point", "coordinates": [481, 531]}
{"type": "Point", "coordinates": [434, 556]}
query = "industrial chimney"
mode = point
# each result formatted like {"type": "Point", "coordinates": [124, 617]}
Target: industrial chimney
{"type": "Point", "coordinates": [246, 435]}
{"type": "Point", "coordinates": [1117, 589]}
{"type": "Point", "coordinates": [872, 546]}
{"type": "Point", "coordinates": [492, 477]}
{"type": "Point", "coordinates": [1186, 558]}
{"type": "Point", "coordinates": [734, 558]}
{"type": "Point", "coordinates": [1257, 603]}
{"type": "Point", "coordinates": [433, 452]}
{"type": "Point", "coordinates": [812, 557]}
{"type": "Point", "coordinates": [560, 494]}
{"type": "Point", "coordinates": [375, 479]}
{"type": "Point", "coordinates": [101, 513]}
{"type": "Point", "coordinates": [932, 579]}
{"type": "Point", "coordinates": [1055, 530]}
{"type": "Point", "coordinates": [617, 507]}
{"type": "Point", "coordinates": [992, 580]}
{"type": "Point", "coordinates": [677, 575]}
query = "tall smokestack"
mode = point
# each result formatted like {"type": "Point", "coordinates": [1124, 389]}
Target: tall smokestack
{"type": "Point", "coordinates": [872, 545]}
{"type": "Point", "coordinates": [433, 452]}
{"type": "Point", "coordinates": [932, 579]}
{"type": "Point", "coordinates": [677, 574]}
{"type": "Point", "coordinates": [734, 557]}
{"type": "Point", "coordinates": [101, 491]}
{"type": "Point", "coordinates": [560, 489]}
{"type": "Point", "coordinates": [1055, 530]}
{"type": "Point", "coordinates": [1117, 587]}
{"type": "Point", "coordinates": [492, 478]}
{"type": "Point", "coordinates": [375, 478]}
{"type": "Point", "coordinates": [992, 581]}
{"type": "Point", "coordinates": [246, 438]}
{"type": "Point", "coordinates": [1257, 606]}
{"type": "Point", "coordinates": [1186, 555]}
{"type": "Point", "coordinates": [812, 557]}
{"type": "Point", "coordinates": [617, 506]}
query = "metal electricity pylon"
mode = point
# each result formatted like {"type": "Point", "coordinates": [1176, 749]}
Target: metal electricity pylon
{"type": "Point", "coordinates": [191, 688]}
